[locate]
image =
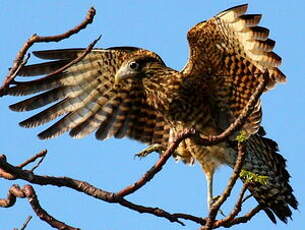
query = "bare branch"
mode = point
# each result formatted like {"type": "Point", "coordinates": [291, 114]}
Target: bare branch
{"type": "Point", "coordinates": [76, 60]}
{"type": "Point", "coordinates": [27, 221]}
{"type": "Point", "coordinates": [198, 220]}
{"type": "Point", "coordinates": [227, 221]}
{"type": "Point", "coordinates": [80, 186]}
{"type": "Point", "coordinates": [157, 167]}
{"type": "Point", "coordinates": [19, 60]}
{"type": "Point", "coordinates": [40, 212]}
{"type": "Point", "coordinates": [41, 155]}
{"type": "Point", "coordinates": [28, 192]}
{"type": "Point", "coordinates": [238, 204]}
{"type": "Point", "coordinates": [247, 217]}
{"type": "Point", "coordinates": [155, 211]}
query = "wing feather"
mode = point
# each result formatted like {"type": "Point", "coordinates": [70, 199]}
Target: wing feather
{"type": "Point", "coordinates": [39, 100]}
{"type": "Point", "coordinates": [84, 94]}
{"type": "Point", "coordinates": [42, 68]}
{"type": "Point", "coordinates": [233, 52]}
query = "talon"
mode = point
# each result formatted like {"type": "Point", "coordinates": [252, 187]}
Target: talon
{"type": "Point", "coordinates": [152, 148]}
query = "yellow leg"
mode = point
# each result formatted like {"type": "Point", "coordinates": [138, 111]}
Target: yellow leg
{"type": "Point", "coordinates": [148, 150]}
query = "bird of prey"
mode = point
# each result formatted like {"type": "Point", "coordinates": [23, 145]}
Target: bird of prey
{"type": "Point", "coordinates": [130, 92]}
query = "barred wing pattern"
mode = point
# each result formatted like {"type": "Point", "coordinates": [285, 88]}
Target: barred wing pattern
{"type": "Point", "coordinates": [87, 97]}
{"type": "Point", "coordinates": [233, 53]}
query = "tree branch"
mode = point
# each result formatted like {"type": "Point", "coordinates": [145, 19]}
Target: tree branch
{"type": "Point", "coordinates": [236, 210]}
{"type": "Point", "coordinates": [247, 217]}
{"type": "Point", "coordinates": [41, 155]}
{"type": "Point", "coordinates": [28, 192]}
{"type": "Point", "coordinates": [27, 221]}
{"type": "Point", "coordinates": [19, 60]}
{"type": "Point", "coordinates": [80, 186]}
{"type": "Point", "coordinates": [157, 167]}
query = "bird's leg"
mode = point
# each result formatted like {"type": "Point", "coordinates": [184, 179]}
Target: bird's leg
{"type": "Point", "coordinates": [148, 150]}
{"type": "Point", "coordinates": [209, 177]}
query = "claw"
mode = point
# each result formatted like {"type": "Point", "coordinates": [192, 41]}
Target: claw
{"type": "Point", "coordinates": [152, 148]}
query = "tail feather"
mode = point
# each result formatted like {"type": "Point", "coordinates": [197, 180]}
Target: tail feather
{"type": "Point", "coordinates": [277, 195]}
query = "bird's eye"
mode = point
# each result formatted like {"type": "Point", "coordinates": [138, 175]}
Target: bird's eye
{"type": "Point", "coordinates": [134, 65]}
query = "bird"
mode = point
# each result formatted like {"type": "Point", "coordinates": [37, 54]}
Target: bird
{"type": "Point", "coordinates": [131, 92]}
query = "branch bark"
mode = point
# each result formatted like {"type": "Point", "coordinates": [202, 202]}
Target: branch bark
{"type": "Point", "coordinates": [28, 192]}
{"type": "Point", "coordinates": [40, 155]}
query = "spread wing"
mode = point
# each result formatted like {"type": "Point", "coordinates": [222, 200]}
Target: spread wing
{"type": "Point", "coordinates": [233, 53]}
{"type": "Point", "coordinates": [84, 94]}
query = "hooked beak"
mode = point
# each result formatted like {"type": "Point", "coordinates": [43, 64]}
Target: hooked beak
{"type": "Point", "coordinates": [122, 74]}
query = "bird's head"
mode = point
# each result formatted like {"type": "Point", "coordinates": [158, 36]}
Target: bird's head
{"type": "Point", "coordinates": [138, 67]}
{"type": "Point", "coordinates": [148, 73]}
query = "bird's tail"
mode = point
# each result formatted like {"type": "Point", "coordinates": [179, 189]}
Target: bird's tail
{"type": "Point", "coordinates": [276, 195]}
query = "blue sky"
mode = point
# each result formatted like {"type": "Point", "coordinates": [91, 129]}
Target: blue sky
{"type": "Point", "coordinates": [160, 26]}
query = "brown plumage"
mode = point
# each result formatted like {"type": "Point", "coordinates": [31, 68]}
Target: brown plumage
{"type": "Point", "coordinates": [130, 92]}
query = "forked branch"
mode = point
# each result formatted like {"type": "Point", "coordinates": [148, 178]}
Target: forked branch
{"type": "Point", "coordinates": [28, 192]}
{"type": "Point", "coordinates": [20, 61]}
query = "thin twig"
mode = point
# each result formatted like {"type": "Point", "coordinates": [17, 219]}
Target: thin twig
{"type": "Point", "coordinates": [236, 210]}
{"type": "Point", "coordinates": [155, 211]}
{"type": "Point", "coordinates": [76, 60]}
{"type": "Point", "coordinates": [246, 198]}
{"type": "Point", "coordinates": [28, 192]}
{"type": "Point", "coordinates": [27, 221]}
{"type": "Point", "coordinates": [17, 64]}
{"type": "Point", "coordinates": [41, 213]}
{"type": "Point", "coordinates": [198, 220]}
{"type": "Point", "coordinates": [41, 154]}
{"type": "Point", "coordinates": [38, 164]}
{"type": "Point", "coordinates": [157, 167]}
{"type": "Point", "coordinates": [247, 217]}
